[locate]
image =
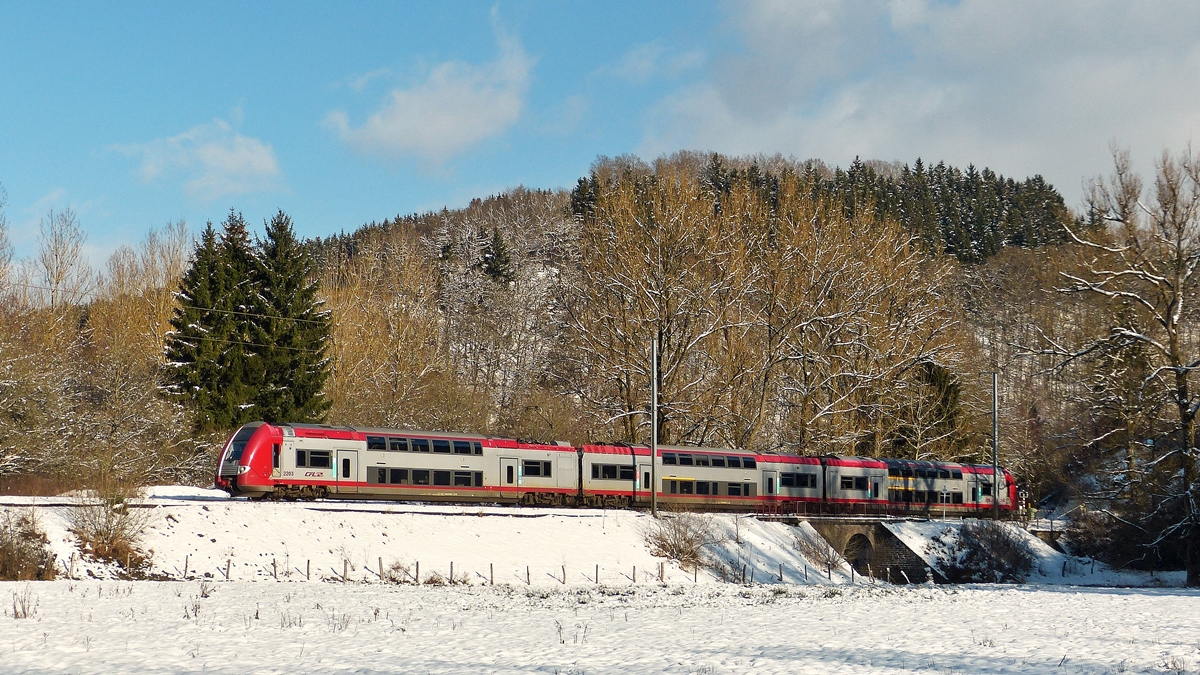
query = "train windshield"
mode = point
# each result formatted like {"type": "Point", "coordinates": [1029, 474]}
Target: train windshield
{"type": "Point", "coordinates": [239, 443]}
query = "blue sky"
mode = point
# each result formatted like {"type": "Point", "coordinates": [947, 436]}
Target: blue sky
{"type": "Point", "coordinates": [341, 113]}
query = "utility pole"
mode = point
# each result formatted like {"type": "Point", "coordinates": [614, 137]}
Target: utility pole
{"type": "Point", "coordinates": [654, 427]}
{"type": "Point", "coordinates": [995, 446]}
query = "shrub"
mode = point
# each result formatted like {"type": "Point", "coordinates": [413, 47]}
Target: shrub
{"type": "Point", "coordinates": [681, 537]}
{"type": "Point", "coordinates": [985, 551]}
{"type": "Point", "coordinates": [818, 551]}
{"type": "Point", "coordinates": [23, 552]}
{"type": "Point", "coordinates": [108, 529]}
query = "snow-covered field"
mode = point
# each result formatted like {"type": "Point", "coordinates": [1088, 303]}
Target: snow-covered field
{"type": "Point", "coordinates": [247, 627]}
{"type": "Point", "coordinates": [565, 599]}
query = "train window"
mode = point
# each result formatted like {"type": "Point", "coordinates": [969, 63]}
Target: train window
{"type": "Point", "coordinates": [462, 447]}
{"type": "Point", "coordinates": [672, 486]}
{"type": "Point", "coordinates": [320, 459]}
{"type": "Point", "coordinates": [275, 456]}
{"type": "Point", "coordinates": [893, 472]}
{"type": "Point", "coordinates": [478, 447]}
{"type": "Point", "coordinates": [800, 480]}
{"type": "Point", "coordinates": [718, 461]}
{"type": "Point", "coordinates": [346, 468]}
{"type": "Point", "coordinates": [985, 489]}
{"type": "Point", "coordinates": [685, 460]}
{"type": "Point", "coordinates": [398, 476]}
{"type": "Point", "coordinates": [376, 475]}
{"type": "Point", "coordinates": [748, 463]}
{"type": "Point", "coordinates": [685, 487]}
{"type": "Point", "coordinates": [398, 444]}
{"type": "Point", "coordinates": [701, 487]}
{"type": "Point", "coordinates": [536, 468]}
{"type": "Point", "coordinates": [733, 462]}
{"type": "Point", "coordinates": [749, 490]}
{"type": "Point", "coordinates": [301, 458]}
{"type": "Point", "coordinates": [420, 445]}
{"type": "Point", "coordinates": [669, 458]}
{"type": "Point", "coordinates": [701, 460]}
{"type": "Point", "coordinates": [734, 489]}
{"type": "Point", "coordinates": [441, 477]}
{"type": "Point", "coordinates": [509, 479]}
{"type": "Point", "coordinates": [907, 473]}
{"type": "Point", "coordinates": [847, 482]}
{"type": "Point", "coordinates": [376, 443]}
{"type": "Point", "coordinates": [957, 475]}
{"type": "Point", "coordinates": [420, 476]}
{"type": "Point", "coordinates": [956, 498]}
{"type": "Point", "coordinates": [860, 483]}
{"type": "Point", "coordinates": [478, 479]}
{"type": "Point", "coordinates": [920, 496]}
{"type": "Point", "coordinates": [464, 478]}
{"type": "Point", "coordinates": [943, 473]}
{"type": "Point", "coordinates": [441, 446]}
{"type": "Point", "coordinates": [627, 473]}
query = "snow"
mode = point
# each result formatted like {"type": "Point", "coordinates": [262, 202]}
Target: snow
{"type": "Point", "coordinates": [247, 627]}
{"type": "Point", "coordinates": [208, 533]}
{"type": "Point", "coordinates": [1050, 566]}
{"type": "Point", "coordinates": [270, 616]}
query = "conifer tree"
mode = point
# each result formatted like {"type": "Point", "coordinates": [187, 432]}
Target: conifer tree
{"type": "Point", "coordinates": [192, 349]}
{"type": "Point", "coordinates": [291, 327]}
{"type": "Point", "coordinates": [239, 370]}
{"type": "Point", "coordinates": [497, 262]}
{"type": "Point", "coordinates": [214, 366]}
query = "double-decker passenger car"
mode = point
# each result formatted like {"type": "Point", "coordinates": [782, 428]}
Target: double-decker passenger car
{"type": "Point", "coordinates": [306, 461]}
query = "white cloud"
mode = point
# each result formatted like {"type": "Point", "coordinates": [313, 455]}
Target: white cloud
{"type": "Point", "coordinates": [455, 108]}
{"type": "Point", "coordinates": [648, 61]}
{"type": "Point", "coordinates": [216, 160]}
{"type": "Point", "coordinates": [1024, 87]}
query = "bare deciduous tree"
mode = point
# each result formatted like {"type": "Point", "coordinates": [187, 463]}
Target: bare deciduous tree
{"type": "Point", "coordinates": [1144, 251]}
{"type": "Point", "coordinates": [61, 268]}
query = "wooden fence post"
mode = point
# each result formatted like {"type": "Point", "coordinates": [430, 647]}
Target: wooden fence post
{"type": "Point", "coordinates": [185, 564]}
{"type": "Point", "coordinates": [491, 574]}
{"type": "Point", "coordinates": [564, 569]}
{"type": "Point", "coordinates": [308, 570]}
{"type": "Point", "coordinates": [228, 562]}
{"type": "Point", "coordinates": [345, 569]}
{"type": "Point", "coordinates": [381, 567]}
{"type": "Point", "coordinates": [528, 581]}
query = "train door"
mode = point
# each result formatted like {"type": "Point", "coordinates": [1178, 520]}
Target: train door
{"type": "Point", "coordinates": [347, 471]}
{"type": "Point", "coordinates": [510, 474]}
{"type": "Point", "coordinates": [770, 482]}
{"type": "Point", "coordinates": [567, 467]}
{"type": "Point", "coordinates": [643, 484]}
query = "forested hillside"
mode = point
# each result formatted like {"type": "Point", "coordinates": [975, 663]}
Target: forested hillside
{"type": "Point", "coordinates": [799, 309]}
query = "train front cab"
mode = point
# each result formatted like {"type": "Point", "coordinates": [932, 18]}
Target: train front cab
{"type": "Point", "coordinates": [247, 460]}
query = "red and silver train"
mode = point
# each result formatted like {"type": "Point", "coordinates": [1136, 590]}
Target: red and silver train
{"type": "Point", "coordinates": [306, 461]}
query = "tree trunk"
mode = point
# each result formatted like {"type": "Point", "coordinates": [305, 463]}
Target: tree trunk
{"type": "Point", "coordinates": [1193, 557]}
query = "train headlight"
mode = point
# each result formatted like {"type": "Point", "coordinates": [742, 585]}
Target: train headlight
{"type": "Point", "coordinates": [243, 469]}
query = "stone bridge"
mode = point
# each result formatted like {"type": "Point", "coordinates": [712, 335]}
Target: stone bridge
{"type": "Point", "coordinates": [872, 549]}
